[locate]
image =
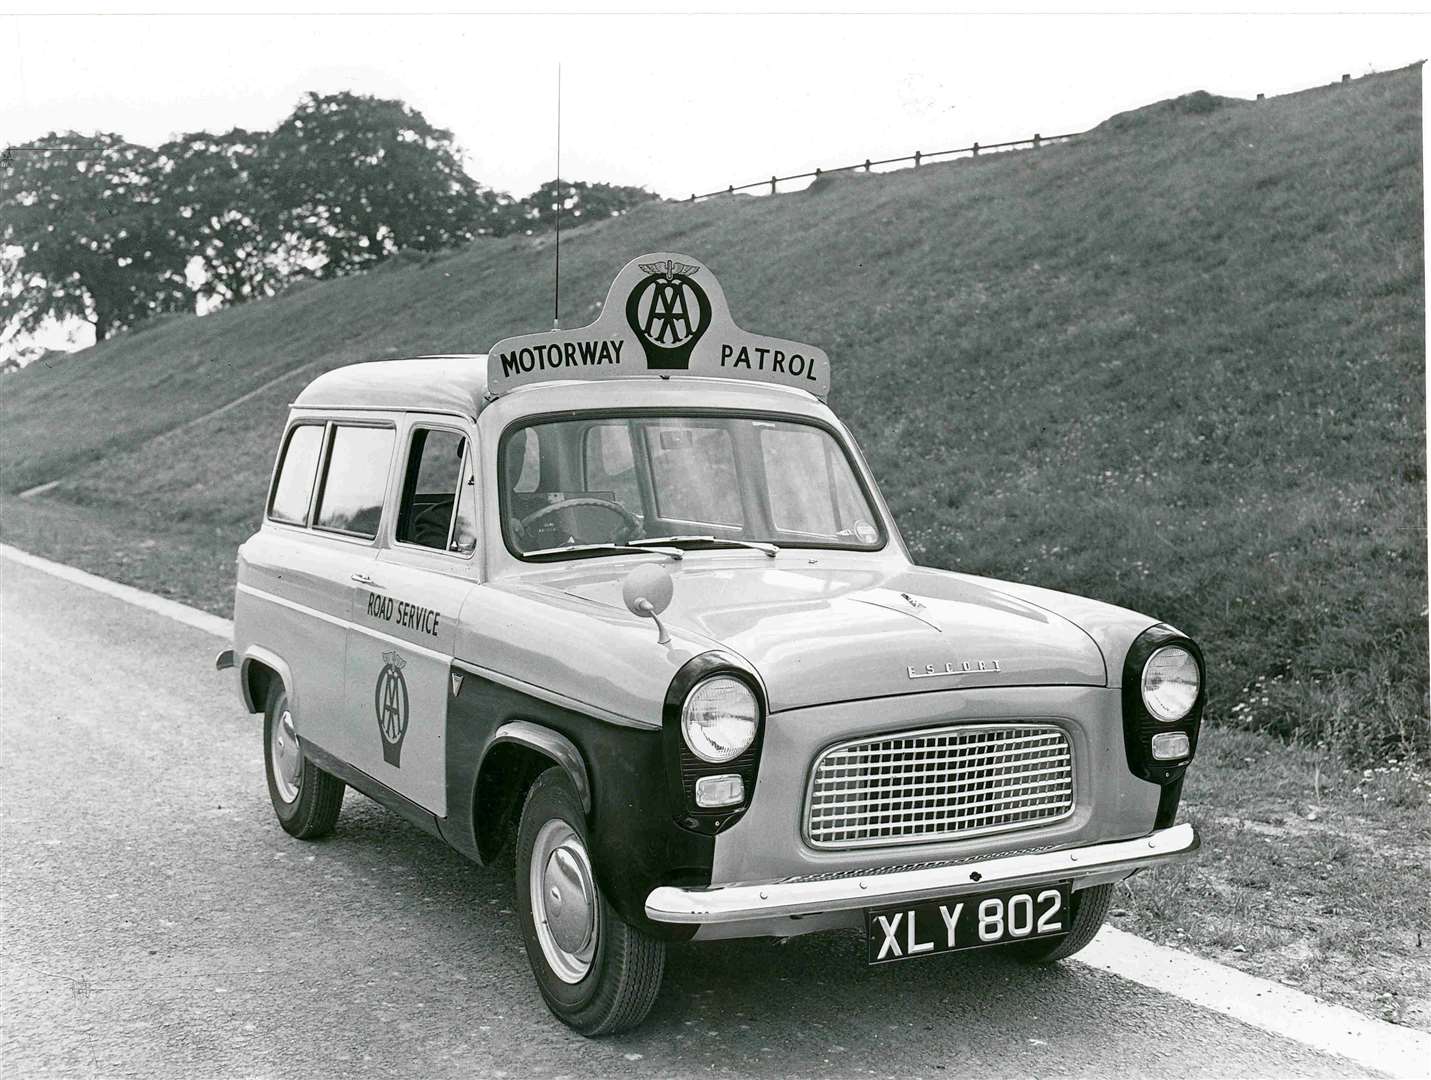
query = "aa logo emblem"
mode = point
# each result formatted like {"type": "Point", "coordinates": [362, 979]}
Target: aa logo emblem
{"type": "Point", "coordinates": [668, 312]}
{"type": "Point", "coordinates": [390, 704]}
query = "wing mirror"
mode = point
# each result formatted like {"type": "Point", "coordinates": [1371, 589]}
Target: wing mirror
{"type": "Point", "coordinates": [647, 592]}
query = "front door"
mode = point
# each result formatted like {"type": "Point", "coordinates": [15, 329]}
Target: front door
{"type": "Point", "coordinates": [405, 618]}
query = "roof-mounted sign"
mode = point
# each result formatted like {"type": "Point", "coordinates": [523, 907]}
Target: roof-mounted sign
{"type": "Point", "coordinates": [664, 315]}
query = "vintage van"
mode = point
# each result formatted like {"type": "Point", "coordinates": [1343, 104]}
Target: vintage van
{"type": "Point", "coordinates": [625, 603]}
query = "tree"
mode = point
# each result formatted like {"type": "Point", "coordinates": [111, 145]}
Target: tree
{"type": "Point", "coordinates": [83, 235]}
{"type": "Point", "coordinates": [359, 178]}
{"type": "Point", "coordinates": [507, 215]}
{"type": "Point", "coordinates": [100, 229]}
{"type": "Point", "coordinates": [581, 202]}
{"type": "Point", "coordinates": [216, 193]}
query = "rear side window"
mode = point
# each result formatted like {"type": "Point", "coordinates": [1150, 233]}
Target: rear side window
{"type": "Point", "coordinates": [351, 499]}
{"type": "Point", "coordinates": [293, 488]}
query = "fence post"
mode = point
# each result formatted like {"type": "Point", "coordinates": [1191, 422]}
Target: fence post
{"type": "Point", "coordinates": [1037, 139]}
{"type": "Point", "coordinates": [693, 196]}
{"type": "Point", "coordinates": [867, 164]}
{"type": "Point", "coordinates": [917, 156]}
{"type": "Point", "coordinates": [976, 149]}
{"type": "Point", "coordinates": [772, 185]}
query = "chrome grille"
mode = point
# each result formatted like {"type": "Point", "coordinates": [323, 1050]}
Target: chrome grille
{"type": "Point", "coordinates": [940, 784]}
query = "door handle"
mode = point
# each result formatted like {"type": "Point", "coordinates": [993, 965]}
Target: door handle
{"type": "Point", "coordinates": [363, 579]}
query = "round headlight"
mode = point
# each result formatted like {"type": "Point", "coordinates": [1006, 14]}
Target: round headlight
{"type": "Point", "coordinates": [1170, 683]}
{"type": "Point", "coordinates": [719, 719]}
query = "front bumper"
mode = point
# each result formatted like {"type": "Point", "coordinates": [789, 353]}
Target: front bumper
{"type": "Point", "coordinates": [814, 894]}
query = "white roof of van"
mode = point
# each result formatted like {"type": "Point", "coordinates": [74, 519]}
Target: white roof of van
{"type": "Point", "coordinates": [457, 384]}
{"type": "Point", "coordinates": [445, 384]}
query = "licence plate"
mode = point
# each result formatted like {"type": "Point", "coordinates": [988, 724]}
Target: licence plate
{"type": "Point", "coordinates": [967, 922]}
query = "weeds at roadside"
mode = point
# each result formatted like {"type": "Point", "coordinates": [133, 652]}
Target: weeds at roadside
{"type": "Point", "coordinates": [1311, 873]}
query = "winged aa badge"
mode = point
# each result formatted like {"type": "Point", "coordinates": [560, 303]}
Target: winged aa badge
{"type": "Point", "coordinates": [670, 269]}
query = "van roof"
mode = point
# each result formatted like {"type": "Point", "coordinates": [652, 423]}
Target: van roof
{"type": "Point", "coordinates": [457, 384]}
{"type": "Point", "coordinates": [453, 383]}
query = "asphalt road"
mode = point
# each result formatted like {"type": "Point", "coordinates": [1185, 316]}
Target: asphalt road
{"type": "Point", "coordinates": [158, 923]}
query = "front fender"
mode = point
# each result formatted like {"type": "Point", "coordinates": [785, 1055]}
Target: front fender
{"type": "Point", "coordinates": [1113, 629]}
{"type": "Point", "coordinates": [619, 769]}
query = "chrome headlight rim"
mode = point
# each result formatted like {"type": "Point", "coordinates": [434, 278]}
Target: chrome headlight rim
{"type": "Point", "coordinates": [1157, 710]}
{"type": "Point", "coordinates": [699, 733]}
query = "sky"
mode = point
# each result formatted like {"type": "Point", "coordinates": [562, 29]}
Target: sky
{"type": "Point", "coordinates": [673, 101]}
{"type": "Point", "coordinates": [678, 103]}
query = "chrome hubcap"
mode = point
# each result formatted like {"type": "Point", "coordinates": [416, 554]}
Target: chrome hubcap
{"type": "Point", "coordinates": [287, 757]}
{"type": "Point", "coordinates": [563, 896]}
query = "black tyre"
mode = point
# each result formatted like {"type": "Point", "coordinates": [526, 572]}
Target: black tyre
{"type": "Point", "coordinates": [598, 974]}
{"type": "Point", "coordinates": [1089, 907]}
{"type": "Point", "coordinates": [305, 798]}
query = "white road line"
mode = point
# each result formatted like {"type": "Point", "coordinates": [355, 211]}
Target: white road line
{"type": "Point", "coordinates": [170, 609]}
{"type": "Point", "coordinates": [1259, 1003]}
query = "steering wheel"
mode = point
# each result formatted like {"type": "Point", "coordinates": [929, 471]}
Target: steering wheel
{"type": "Point", "coordinates": [628, 519]}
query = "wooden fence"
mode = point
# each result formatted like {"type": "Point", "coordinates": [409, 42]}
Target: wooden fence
{"type": "Point", "coordinates": [917, 158]}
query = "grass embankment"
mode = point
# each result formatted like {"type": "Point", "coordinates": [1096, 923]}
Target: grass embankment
{"type": "Point", "coordinates": [1177, 365]}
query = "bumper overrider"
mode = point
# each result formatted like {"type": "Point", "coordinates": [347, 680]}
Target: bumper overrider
{"type": "Point", "coordinates": [748, 901]}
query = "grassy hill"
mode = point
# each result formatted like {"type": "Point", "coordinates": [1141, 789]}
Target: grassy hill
{"type": "Point", "coordinates": [1177, 365]}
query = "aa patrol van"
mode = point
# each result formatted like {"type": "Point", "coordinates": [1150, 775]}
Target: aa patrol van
{"type": "Point", "coordinates": [623, 605]}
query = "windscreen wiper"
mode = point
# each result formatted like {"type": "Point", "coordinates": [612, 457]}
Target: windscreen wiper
{"type": "Point", "coordinates": [604, 549]}
{"type": "Point", "coordinates": [719, 541]}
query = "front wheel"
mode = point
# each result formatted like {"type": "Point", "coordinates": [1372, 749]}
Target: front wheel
{"type": "Point", "coordinates": [305, 798]}
{"type": "Point", "coordinates": [597, 973]}
{"type": "Point", "coordinates": [1088, 909]}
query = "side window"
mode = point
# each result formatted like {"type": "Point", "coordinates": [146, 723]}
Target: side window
{"type": "Point", "coordinates": [610, 466]}
{"type": "Point", "coordinates": [812, 489]}
{"type": "Point", "coordinates": [356, 477]}
{"type": "Point", "coordinates": [464, 529]}
{"type": "Point", "coordinates": [802, 492]}
{"type": "Point", "coordinates": [694, 472]}
{"type": "Point", "coordinates": [434, 491]}
{"type": "Point", "coordinates": [293, 487]}
{"type": "Point", "coordinates": [529, 473]}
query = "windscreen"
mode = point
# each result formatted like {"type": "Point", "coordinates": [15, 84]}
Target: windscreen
{"type": "Point", "coordinates": [574, 483]}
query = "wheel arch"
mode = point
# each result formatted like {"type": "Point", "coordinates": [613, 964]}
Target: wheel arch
{"type": "Point", "coordinates": [257, 671]}
{"type": "Point", "coordinates": [517, 754]}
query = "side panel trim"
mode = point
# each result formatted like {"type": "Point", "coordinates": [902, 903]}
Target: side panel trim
{"type": "Point", "coordinates": [552, 697]}
{"type": "Point", "coordinates": [511, 683]}
{"type": "Point", "coordinates": [283, 601]}
{"type": "Point", "coordinates": [374, 789]}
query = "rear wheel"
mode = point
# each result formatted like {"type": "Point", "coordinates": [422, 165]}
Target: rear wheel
{"type": "Point", "coordinates": [597, 973]}
{"type": "Point", "coordinates": [305, 798]}
{"type": "Point", "coordinates": [1088, 907]}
